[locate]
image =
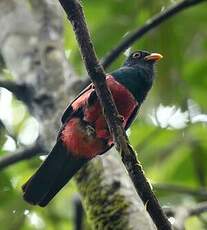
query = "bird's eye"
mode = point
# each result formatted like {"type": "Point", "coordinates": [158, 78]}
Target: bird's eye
{"type": "Point", "coordinates": [136, 55]}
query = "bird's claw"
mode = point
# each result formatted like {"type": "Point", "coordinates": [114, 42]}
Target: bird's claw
{"type": "Point", "coordinates": [121, 118]}
{"type": "Point", "coordinates": [90, 130]}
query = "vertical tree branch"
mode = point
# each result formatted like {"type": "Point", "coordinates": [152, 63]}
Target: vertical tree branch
{"type": "Point", "coordinates": [95, 71]}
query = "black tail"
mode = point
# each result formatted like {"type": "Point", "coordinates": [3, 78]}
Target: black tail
{"type": "Point", "coordinates": [52, 175]}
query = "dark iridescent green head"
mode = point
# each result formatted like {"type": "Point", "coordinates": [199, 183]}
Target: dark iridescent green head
{"type": "Point", "coordinates": [137, 73]}
{"type": "Point", "coordinates": [142, 59]}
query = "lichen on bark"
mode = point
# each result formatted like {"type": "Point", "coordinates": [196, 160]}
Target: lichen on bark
{"type": "Point", "coordinates": [109, 197]}
{"type": "Point", "coordinates": [109, 206]}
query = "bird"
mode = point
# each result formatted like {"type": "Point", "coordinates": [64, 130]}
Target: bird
{"type": "Point", "coordinates": [84, 133]}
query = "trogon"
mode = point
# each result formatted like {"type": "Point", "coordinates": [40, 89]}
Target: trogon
{"type": "Point", "coordinates": [84, 133]}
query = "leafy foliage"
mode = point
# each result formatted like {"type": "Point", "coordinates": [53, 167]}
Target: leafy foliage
{"type": "Point", "coordinates": [172, 156]}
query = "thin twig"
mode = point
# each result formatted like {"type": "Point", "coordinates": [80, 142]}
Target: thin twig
{"type": "Point", "coordinates": [200, 192]}
{"type": "Point", "coordinates": [21, 155]}
{"type": "Point", "coordinates": [78, 217]}
{"type": "Point", "coordinates": [198, 209]}
{"type": "Point", "coordinates": [181, 213]}
{"type": "Point", "coordinates": [149, 25]}
{"type": "Point", "coordinates": [97, 75]}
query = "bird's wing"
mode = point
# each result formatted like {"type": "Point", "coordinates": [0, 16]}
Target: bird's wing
{"type": "Point", "coordinates": [69, 110]}
{"type": "Point", "coordinates": [132, 117]}
{"type": "Point", "coordinates": [90, 96]}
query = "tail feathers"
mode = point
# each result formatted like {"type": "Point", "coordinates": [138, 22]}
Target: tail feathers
{"type": "Point", "coordinates": [52, 175]}
{"type": "Point", "coordinates": [64, 176]}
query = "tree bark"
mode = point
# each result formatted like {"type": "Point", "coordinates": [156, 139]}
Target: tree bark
{"type": "Point", "coordinates": [32, 47]}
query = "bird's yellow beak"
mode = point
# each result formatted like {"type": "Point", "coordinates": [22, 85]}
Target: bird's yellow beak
{"type": "Point", "coordinates": [153, 57]}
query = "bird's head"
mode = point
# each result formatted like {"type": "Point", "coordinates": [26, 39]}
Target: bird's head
{"type": "Point", "coordinates": [142, 59]}
{"type": "Point", "coordinates": [142, 63]}
{"type": "Point", "coordinates": [139, 69]}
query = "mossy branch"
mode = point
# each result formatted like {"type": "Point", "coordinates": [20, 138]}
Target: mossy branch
{"type": "Point", "coordinates": [101, 212]}
{"type": "Point", "coordinates": [97, 75]}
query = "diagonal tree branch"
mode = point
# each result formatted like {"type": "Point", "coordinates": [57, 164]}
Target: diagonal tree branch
{"type": "Point", "coordinates": [21, 155]}
{"type": "Point", "coordinates": [97, 75]}
{"type": "Point", "coordinates": [149, 25]}
{"type": "Point", "coordinates": [22, 91]}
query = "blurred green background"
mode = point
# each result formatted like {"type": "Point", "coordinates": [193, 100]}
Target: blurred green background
{"type": "Point", "coordinates": [170, 133]}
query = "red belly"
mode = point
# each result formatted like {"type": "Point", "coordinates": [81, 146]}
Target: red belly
{"type": "Point", "coordinates": [90, 137]}
{"type": "Point", "coordinates": [82, 142]}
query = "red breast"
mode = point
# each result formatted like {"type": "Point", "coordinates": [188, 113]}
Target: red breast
{"type": "Point", "coordinates": [90, 136]}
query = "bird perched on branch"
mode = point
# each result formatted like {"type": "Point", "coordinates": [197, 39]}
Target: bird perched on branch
{"type": "Point", "coordinates": [84, 133]}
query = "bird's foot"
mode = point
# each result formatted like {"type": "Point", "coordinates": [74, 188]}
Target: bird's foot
{"type": "Point", "coordinates": [90, 130]}
{"type": "Point", "coordinates": [121, 118]}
